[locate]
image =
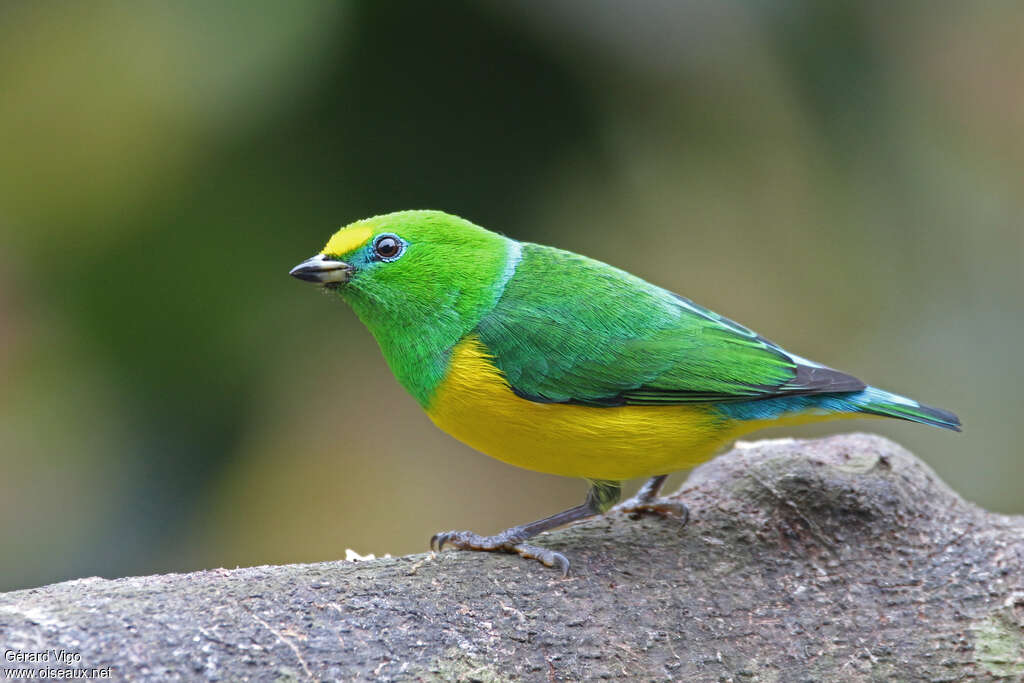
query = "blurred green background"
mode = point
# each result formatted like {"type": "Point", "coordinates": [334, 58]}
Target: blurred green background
{"type": "Point", "coordinates": [844, 177]}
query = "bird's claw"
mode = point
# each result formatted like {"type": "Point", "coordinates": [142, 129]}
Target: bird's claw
{"type": "Point", "coordinates": [463, 540]}
{"type": "Point", "coordinates": [662, 507]}
{"type": "Point", "coordinates": [548, 558]}
{"type": "Point", "coordinates": [506, 543]}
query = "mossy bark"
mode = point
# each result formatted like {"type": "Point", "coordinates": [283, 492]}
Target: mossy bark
{"type": "Point", "coordinates": [838, 559]}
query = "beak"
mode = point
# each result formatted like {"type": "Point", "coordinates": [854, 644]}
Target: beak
{"type": "Point", "coordinates": [322, 270]}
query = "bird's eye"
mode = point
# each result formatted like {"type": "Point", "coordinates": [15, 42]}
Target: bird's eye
{"type": "Point", "coordinates": [388, 247]}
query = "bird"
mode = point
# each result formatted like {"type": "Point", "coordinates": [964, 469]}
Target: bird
{"type": "Point", "coordinates": [558, 363]}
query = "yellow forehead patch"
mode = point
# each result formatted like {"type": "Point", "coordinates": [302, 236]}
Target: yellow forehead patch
{"type": "Point", "coordinates": [347, 239]}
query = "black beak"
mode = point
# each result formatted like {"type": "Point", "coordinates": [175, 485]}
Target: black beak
{"type": "Point", "coordinates": [322, 270]}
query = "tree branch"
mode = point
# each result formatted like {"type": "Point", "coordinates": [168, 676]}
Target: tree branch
{"type": "Point", "coordinates": [839, 559]}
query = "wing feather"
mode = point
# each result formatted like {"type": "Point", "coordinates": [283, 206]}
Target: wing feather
{"type": "Point", "coordinates": [569, 329]}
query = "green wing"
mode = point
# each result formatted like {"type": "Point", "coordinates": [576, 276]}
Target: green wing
{"type": "Point", "coordinates": [569, 329]}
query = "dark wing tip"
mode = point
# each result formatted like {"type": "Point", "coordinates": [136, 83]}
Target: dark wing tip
{"type": "Point", "coordinates": [818, 379]}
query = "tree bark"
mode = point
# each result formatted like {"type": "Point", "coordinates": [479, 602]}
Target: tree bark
{"type": "Point", "coordinates": [839, 559]}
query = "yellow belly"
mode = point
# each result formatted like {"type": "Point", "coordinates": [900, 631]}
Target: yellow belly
{"type": "Point", "coordinates": [476, 406]}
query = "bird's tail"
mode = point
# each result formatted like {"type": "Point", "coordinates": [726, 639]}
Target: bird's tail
{"type": "Point", "coordinates": [874, 401]}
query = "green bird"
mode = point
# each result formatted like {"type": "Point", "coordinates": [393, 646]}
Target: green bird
{"type": "Point", "coordinates": [558, 363]}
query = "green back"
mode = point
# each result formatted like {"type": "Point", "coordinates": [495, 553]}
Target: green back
{"type": "Point", "coordinates": [571, 329]}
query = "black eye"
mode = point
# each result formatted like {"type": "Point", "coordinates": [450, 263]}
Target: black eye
{"type": "Point", "coordinates": [388, 247]}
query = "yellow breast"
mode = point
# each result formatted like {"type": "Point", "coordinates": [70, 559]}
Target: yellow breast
{"type": "Point", "coordinates": [476, 405]}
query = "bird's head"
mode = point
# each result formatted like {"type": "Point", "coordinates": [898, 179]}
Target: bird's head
{"type": "Point", "coordinates": [412, 266]}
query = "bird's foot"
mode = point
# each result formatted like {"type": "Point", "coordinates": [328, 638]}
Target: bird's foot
{"type": "Point", "coordinates": [504, 542]}
{"type": "Point", "coordinates": [636, 507]}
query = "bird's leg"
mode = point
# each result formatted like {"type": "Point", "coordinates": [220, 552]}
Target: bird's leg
{"type": "Point", "coordinates": [601, 496]}
{"type": "Point", "coordinates": [646, 501]}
